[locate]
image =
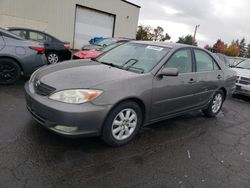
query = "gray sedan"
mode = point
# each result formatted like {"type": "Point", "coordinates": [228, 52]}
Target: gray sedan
{"type": "Point", "coordinates": [18, 57]}
{"type": "Point", "coordinates": [133, 85]}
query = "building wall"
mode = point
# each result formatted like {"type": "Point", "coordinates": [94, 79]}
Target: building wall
{"type": "Point", "coordinates": [57, 17]}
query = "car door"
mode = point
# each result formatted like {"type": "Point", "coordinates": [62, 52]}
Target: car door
{"type": "Point", "coordinates": [2, 43]}
{"type": "Point", "coordinates": [209, 75]}
{"type": "Point", "coordinates": [175, 94]}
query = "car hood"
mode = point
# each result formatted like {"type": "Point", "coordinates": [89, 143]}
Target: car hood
{"type": "Point", "coordinates": [80, 74]}
{"type": "Point", "coordinates": [242, 72]}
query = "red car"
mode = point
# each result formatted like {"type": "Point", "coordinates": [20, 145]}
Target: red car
{"type": "Point", "coordinates": [88, 54]}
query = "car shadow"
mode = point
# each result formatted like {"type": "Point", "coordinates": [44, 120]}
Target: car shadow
{"type": "Point", "coordinates": [171, 130]}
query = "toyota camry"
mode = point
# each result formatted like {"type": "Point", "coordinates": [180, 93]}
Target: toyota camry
{"type": "Point", "coordinates": [133, 85]}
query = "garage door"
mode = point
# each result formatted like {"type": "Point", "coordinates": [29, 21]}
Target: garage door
{"type": "Point", "coordinates": [90, 23]}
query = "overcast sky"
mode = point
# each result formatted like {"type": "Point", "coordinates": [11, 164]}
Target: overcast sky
{"type": "Point", "coordinates": [225, 19]}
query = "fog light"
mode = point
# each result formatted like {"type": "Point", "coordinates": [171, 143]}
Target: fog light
{"type": "Point", "coordinates": [65, 128]}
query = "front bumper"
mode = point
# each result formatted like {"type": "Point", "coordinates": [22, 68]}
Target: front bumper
{"type": "Point", "coordinates": [242, 89]}
{"type": "Point", "coordinates": [82, 120]}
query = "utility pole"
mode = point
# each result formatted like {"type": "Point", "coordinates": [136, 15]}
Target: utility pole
{"type": "Point", "coordinates": [195, 31]}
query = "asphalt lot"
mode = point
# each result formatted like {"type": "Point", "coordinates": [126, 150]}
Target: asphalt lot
{"type": "Point", "coordinates": [188, 151]}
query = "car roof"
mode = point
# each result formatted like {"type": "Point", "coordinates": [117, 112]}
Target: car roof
{"type": "Point", "coordinates": [23, 28]}
{"type": "Point", "coordinates": [164, 44]}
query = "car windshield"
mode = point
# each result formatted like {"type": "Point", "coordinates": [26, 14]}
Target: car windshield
{"type": "Point", "coordinates": [110, 47]}
{"type": "Point", "coordinates": [244, 64]}
{"type": "Point", "coordinates": [134, 56]}
{"type": "Point", "coordinates": [234, 61]}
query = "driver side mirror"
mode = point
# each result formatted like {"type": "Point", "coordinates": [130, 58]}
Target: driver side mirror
{"type": "Point", "coordinates": [169, 72]}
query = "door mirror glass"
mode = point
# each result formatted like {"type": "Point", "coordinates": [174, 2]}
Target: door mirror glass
{"type": "Point", "coordinates": [169, 72]}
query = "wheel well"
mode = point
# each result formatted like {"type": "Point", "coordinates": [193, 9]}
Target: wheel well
{"type": "Point", "coordinates": [7, 57]}
{"type": "Point", "coordinates": [51, 51]}
{"type": "Point", "coordinates": [224, 91]}
{"type": "Point", "coordinates": [139, 102]}
{"type": "Point", "coordinates": [136, 100]}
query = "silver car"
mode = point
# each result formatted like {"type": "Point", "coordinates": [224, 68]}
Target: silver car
{"type": "Point", "coordinates": [243, 78]}
{"type": "Point", "coordinates": [133, 85]}
{"type": "Point", "coordinates": [18, 57]}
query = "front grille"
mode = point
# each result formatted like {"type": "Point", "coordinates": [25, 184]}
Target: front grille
{"type": "Point", "coordinates": [244, 81]}
{"type": "Point", "coordinates": [43, 89]}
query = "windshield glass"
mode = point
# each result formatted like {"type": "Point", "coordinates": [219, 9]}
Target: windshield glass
{"type": "Point", "coordinates": [244, 64]}
{"type": "Point", "coordinates": [234, 61]}
{"type": "Point", "coordinates": [110, 47]}
{"type": "Point", "coordinates": [135, 56]}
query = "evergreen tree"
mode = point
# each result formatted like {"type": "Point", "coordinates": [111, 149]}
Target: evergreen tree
{"type": "Point", "coordinates": [248, 51]}
{"type": "Point", "coordinates": [243, 49]}
{"type": "Point", "coordinates": [189, 39]}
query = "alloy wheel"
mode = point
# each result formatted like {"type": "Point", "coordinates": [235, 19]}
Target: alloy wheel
{"type": "Point", "coordinates": [8, 72]}
{"type": "Point", "coordinates": [53, 58]}
{"type": "Point", "coordinates": [124, 124]}
{"type": "Point", "coordinates": [217, 103]}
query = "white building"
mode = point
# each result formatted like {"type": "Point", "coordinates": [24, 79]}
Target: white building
{"type": "Point", "coordinates": [74, 21]}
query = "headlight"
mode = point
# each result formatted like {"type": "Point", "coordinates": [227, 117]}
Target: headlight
{"type": "Point", "coordinates": [75, 96]}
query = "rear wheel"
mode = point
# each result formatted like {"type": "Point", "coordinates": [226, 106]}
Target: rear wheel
{"type": "Point", "coordinates": [215, 104]}
{"type": "Point", "coordinates": [53, 58]}
{"type": "Point", "coordinates": [122, 124]}
{"type": "Point", "coordinates": [10, 71]}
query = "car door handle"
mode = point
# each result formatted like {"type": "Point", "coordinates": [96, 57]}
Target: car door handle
{"type": "Point", "coordinates": [219, 76]}
{"type": "Point", "coordinates": [191, 81]}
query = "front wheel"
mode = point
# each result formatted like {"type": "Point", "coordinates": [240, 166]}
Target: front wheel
{"type": "Point", "coordinates": [215, 105]}
{"type": "Point", "coordinates": [122, 124]}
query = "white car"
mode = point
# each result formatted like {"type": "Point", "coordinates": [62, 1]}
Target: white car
{"type": "Point", "coordinates": [243, 78]}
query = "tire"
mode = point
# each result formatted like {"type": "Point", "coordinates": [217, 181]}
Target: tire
{"type": "Point", "coordinates": [53, 58]}
{"type": "Point", "coordinates": [215, 104]}
{"type": "Point", "coordinates": [118, 131]}
{"type": "Point", "coordinates": [10, 71]}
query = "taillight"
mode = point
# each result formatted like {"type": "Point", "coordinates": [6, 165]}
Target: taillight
{"type": "Point", "coordinates": [67, 46]}
{"type": "Point", "coordinates": [40, 50]}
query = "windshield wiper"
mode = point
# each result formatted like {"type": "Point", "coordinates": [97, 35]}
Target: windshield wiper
{"type": "Point", "coordinates": [131, 66]}
{"type": "Point", "coordinates": [135, 61]}
{"type": "Point", "coordinates": [110, 64]}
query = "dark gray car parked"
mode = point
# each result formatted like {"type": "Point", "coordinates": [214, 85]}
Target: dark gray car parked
{"type": "Point", "coordinates": [133, 85]}
{"type": "Point", "coordinates": [18, 57]}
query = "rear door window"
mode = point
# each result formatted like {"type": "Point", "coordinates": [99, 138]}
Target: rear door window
{"type": "Point", "coordinates": [37, 36]}
{"type": "Point", "coordinates": [204, 62]}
